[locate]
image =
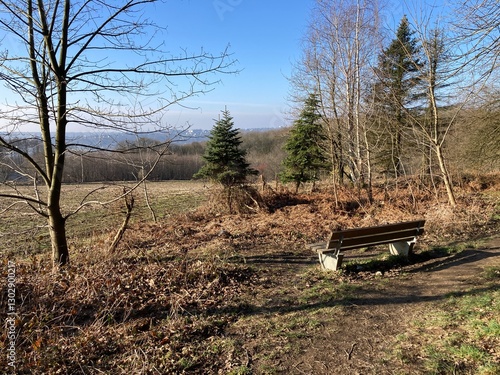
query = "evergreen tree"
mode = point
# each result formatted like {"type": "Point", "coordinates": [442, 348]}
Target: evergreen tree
{"type": "Point", "coordinates": [398, 74]}
{"type": "Point", "coordinates": [305, 156]}
{"type": "Point", "coordinates": [225, 161]}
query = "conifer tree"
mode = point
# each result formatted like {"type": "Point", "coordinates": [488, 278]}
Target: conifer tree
{"type": "Point", "coordinates": [305, 156]}
{"type": "Point", "coordinates": [398, 79]}
{"type": "Point", "coordinates": [225, 160]}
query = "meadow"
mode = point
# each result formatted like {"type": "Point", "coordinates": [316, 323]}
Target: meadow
{"type": "Point", "coordinates": [24, 232]}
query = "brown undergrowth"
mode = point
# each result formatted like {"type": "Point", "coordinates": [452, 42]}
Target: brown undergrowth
{"type": "Point", "coordinates": [168, 299]}
{"type": "Point", "coordinates": [129, 313]}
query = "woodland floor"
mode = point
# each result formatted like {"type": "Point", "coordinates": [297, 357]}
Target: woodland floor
{"type": "Point", "coordinates": [205, 293]}
{"type": "Point", "coordinates": [354, 338]}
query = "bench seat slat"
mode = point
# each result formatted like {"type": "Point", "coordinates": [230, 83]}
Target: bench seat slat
{"type": "Point", "coordinates": [367, 231]}
{"type": "Point", "coordinates": [367, 244]}
{"type": "Point", "coordinates": [317, 246]}
{"type": "Point", "coordinates": [374, 239]}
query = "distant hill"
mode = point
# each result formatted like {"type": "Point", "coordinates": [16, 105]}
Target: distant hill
{"type": "Point", "coordinates": [109, 140]}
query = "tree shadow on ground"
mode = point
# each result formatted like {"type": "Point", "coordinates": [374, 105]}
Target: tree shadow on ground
{"type": "Point", "coordinates": [279, 259]}
{"type": "Point", "coordinates": [445, 262]}
{"type": "Point", "coordinates": [397, 293]}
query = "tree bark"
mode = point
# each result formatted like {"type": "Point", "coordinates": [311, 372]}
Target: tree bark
{"type": "Point", "coordinates": [445, 175]}
{"type": "Point", "coordinates": [57, 229]}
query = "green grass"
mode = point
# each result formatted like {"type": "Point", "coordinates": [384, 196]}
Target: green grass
{"type": "Point", "coordinates": [325, 287]}
{"type": "Point", "coordinates": [468, 329]}
{"type": "Point", "coordinates": [491, 273]}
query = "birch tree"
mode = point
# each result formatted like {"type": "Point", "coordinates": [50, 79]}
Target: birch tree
{"type": "Point", "coordinates": [96, 64]}
{"type": "Point", "coordinates": [442, 78]}
{"type": "Point", "coordinates": [337, 58]}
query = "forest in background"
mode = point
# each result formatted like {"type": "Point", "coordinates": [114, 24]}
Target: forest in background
{"type": "Point", "coordinates": [473, 147]}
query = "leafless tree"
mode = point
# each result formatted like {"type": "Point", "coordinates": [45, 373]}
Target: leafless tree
{"type": "Point", "coordinates": [92, 63]}
{"type": "Point", "coordinates": [338, 52]}
{"type": "Point", "coordinates": [441, 74]}
{"type": "Point", "coordinates": [478, 22]}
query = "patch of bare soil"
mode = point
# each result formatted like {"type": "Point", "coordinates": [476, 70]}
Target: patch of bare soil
{"type": "Point", "coordinates": [356, 340]}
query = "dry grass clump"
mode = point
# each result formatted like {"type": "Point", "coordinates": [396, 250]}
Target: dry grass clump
{"type": "Point", "coordinates": [126, 315]}
{"type": "Point", "coordinates": [238, 199]}
{"type": "Point", "coordinates": [479, 182]}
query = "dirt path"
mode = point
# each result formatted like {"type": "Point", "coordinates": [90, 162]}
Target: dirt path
{"type": "Point", "coordinates": [355, 339]}
{"type": "Point", "coordinates": [383, 310]}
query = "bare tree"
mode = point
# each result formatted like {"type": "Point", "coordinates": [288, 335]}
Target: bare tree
{"type": "Point", "coordinates": [440, 74]}
{"type": "Point", "coordinates": [92, 63]}
{"type": "Point", "coordinates": [434, 130]}
{"type": "Point", "coordinates": [338, 54]}
{"type": "Point", "coordinates": [479, 24]}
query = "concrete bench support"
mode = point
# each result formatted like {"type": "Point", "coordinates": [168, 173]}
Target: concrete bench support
{"type": "Point", "coordinates": [330, 261]}
{"type": "Point", "coordinates": [402, 248]}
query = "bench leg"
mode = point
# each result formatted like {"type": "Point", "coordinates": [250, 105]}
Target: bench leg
{"type": "Point", "coordinates": [403, 248]}
{"type": "Point", "coordinates": [330, 261]}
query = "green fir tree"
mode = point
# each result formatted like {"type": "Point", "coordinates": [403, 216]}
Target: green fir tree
{"type": "Point", "coordinates": [225, 160]}
{"type": "Point", "coordinates": [305, 155]}
{"type": "Point", "coordinates": [397, 89]}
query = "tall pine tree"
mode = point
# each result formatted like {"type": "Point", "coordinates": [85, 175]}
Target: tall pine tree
{"type": "Point", "coordinates": [225, 160]}
{"type": "Point", "coordinates": [305, 156]}
{"type": "Point", "coordinates": [396, 90]}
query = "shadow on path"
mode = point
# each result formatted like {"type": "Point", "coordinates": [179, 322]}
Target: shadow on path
{"type": "Point", "coordinates": [463, 258]}
{"type": "Point", "coordinates": [434, 280]}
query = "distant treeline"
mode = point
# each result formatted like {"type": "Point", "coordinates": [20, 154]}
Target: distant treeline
{"type": "Point", "coordinates": [473, 146]}
{"type": "Point", "coordinates": [264, 152]}
{"type": "Point", "coordinates": [128, 161]}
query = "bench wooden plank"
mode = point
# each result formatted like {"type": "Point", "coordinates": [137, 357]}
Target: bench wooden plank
{"type": "Point", "coordinates": [366, 231]}
{"type": "Point", "coordinates": [317, 245]}
{"type": "Point", "coordinates": [400, 236]}
{"type": "Point", "coordinates": [374, 239]}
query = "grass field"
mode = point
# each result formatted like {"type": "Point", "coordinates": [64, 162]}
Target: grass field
{"type": "Point", "coordinates": [23, 232]}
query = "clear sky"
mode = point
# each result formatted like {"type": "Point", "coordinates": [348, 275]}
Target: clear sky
{"type": "Point", "coordinates": [264, 36]}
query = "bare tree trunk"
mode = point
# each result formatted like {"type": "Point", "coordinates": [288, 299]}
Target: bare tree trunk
{"type": "Point", "coordinates": [297, 184]}
{"type": "Point", "coordinates": [146, 196]}
{"type": "Point", "coordinates": [368, 167]}
{"type": "Point", "coordinates": [446, 175]}
{"type": "Point", "coordinates": [436, 143]}
{"type": "Point", "coordinates": [119, 235]}
{"type": "Point", "coordinates": [57, 229]}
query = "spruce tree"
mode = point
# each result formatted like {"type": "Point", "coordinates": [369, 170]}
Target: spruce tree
{"type": "Point", "coordinates": [225, 160]}
{"type": "Point", "coordinates": [398, 74]}
{"type": "Point", "coordinates": [305, 156]}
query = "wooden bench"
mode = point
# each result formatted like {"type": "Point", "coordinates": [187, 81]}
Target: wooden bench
{"type": "Point", "coordinates": [401, 238]}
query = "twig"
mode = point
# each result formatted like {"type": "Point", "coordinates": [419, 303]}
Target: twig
{"type": "Point", "coordinates": [349, 352]}
{"type": "Point", "coordinates": [148, 203]}
{"type": "Point", "coordinates": [123, 228]}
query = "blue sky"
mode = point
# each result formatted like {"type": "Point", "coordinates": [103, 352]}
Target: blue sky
{"type": "Point", "coordinates": [265, 38]}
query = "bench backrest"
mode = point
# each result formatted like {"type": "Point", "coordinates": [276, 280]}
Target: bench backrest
{"type": "Point", "coordinates": [371, 236]}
